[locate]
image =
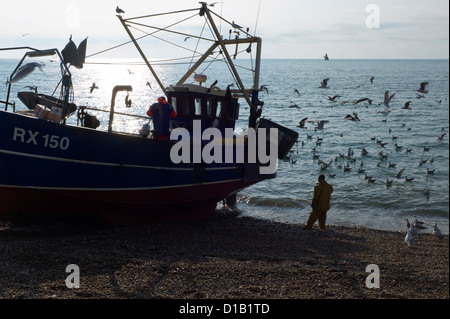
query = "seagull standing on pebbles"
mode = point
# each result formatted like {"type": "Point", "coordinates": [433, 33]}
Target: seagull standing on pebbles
{"type": "Point", "coordinates": [437, 231]}
{"type": "Point", "coordinates": [408, 237]}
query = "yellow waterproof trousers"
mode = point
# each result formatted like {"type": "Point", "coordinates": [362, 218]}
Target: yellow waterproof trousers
{"type": "Point", "coordinates": [317, 215]}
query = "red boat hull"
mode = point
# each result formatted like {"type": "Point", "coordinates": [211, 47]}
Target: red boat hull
{"type": "Point", "coordinates": [185, 203]}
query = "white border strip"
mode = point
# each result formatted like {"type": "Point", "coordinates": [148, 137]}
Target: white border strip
{"type": "Point", "coordinates": [110, 164]}
{"type": "Point", "coordinates": [121, 189]}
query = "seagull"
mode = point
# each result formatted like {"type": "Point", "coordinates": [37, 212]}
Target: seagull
{"type": "Point", "coordinates": [119, 11]}
{"type": "Point", "coordinates": [385, 112]}
{"type": "Point", "coordinates": [397, 147]}
{"type": "Point", "coordinates": [371, 180]}
{"type": "Point", "coordinates": [391, 165]}
{"type": "Point", "coordinates": [389, 182]}
{"type": "Point", "coordinates": [419, 96]}
{"type": "Point", "coordinates": [326, 57]}
{"type": "Point", "coordinates": [409, 179]}
{"type": "Point", "coordinates": [436, 231]}
{"type": "Point", "coordinates": [293, 105]}
{"type": "Point", "coordinates": [399, 174]}
{"type": "Point", "coordinates": [296, 91]}
{"type": "Point", "coordinates": [320, 124]}
{"type": "Point", "coordinates": [149, 85]}
{"type": "Point", "coordinates": [408, 225]}
{"type": "Point", "coordinates": [93, 87]}
{"type": "Point", "coordinates": [323, 84]}
{"type": "Point", "coordinates": [406, 105]}
{"type": "Point", "coordinates": [441, 137]}
{"type": "Point", "coordinates": [333, 99]}
{"type": "Point", "coordinates": [430, 171]}
{"type": "Point", "coordinates": [354, 118]}
{"type": "Point", "coordinates": [25, 70]}
{"type": "Point", "coordinates": [388, 98]}
{"type": "Point", "coordinates": [301, 124]}
{"type": "Point", "coordinates": [362, 100]}
{"type": "Point", "coordinates": [364, 151]}
{"type": "Point", "coordinates": [235, 26]}
{"type": "Point", "coordinates": [408, 238]}
{"type": "Point", "coordinates": [418, 224]}
{"type": "Point", "coordinates": [382, 155]}
{"type": "Point", "coordinates": [129, 71]}
{"type": "Point", "coordinates": [264, 88]}
{"type": "Point", "coordinates": [426, 192]}
{"type": "Point", "coordinates": [371, 79]}
{"type": "Point", "coordinates": [422, 88]}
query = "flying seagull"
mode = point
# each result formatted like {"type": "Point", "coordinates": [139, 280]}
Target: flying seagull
{"type": "Point", "coordinates": [119, 11]}
{"type": "Point", "coordinates": [400, 172]}
{"type": "Point", "coordinates": [301, 124]}
{"type": "Point", "coordinates": [406, 105]}
{"type": "Point", "coordinates": [353, 117]}
{"type": "Point", "coordinates": [333, 99]}
{"type": "Point", "coordinates": [296, 91]}
{"type": "Point", "coordinates": [362, 100]}
{"type": "Point", "coordinates": [323, 84]}
{"type": "Point", "coordinates": [371, 79]}
{"type": "Point", "coordinates": [320, 124]}
{"type": "Point", "coordinates": [93, 87]}
{"type": "Point", "coordinates": [388, 98]}
{"type": "Point", "coordinates": [293, 105]}
{"type": "Point", "coordinates": [264, 88]}
{"type": "Point", "coordinates": [422, 88]}
{"type": "Point", "coordinates": [26, 70]}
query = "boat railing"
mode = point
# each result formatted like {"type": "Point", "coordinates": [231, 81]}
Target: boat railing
{"type": "Point", "coordinates": [13, 104]}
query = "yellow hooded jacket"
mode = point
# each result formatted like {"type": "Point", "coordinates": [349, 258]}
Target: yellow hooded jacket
{"type": "Point", "coordinates": [322, 195]}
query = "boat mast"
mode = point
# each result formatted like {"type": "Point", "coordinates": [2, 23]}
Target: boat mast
{"type": "Point", "coordinates": [227, 55]}
{"type": "Point", "coordinates": [142, 54]}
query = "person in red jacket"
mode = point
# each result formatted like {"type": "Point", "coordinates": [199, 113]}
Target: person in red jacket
{"type": "Point", "coordinates": [320, 203]}
{"type": "Point", "coordinates": [161, 113]}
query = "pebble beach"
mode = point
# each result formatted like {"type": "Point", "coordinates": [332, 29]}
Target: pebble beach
{"type": "Point", "coordinates": [225, 257]}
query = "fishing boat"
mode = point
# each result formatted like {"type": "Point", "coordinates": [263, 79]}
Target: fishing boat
{"type": "Point", "coordinates": [49, 166]}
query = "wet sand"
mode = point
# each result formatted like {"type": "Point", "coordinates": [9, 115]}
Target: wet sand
{"type": "Point", "coordinates": [226, 257]}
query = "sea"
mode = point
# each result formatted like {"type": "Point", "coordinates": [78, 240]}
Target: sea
{"type": "Point", "coordinates": [416, 139]}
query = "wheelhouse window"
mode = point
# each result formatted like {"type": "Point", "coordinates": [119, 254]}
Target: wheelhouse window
{"type": "Point", "coordinates": [219, 109]}
{"type": "Point", "coordinates": [174, 104]}
{"type": "Point", "coordinates": [198, 106]}
{"type": "Point", "coordinates": [210, 108]}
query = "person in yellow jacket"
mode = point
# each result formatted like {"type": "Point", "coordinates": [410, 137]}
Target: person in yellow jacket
{"type": "Point", "coordinates": [320, 203]}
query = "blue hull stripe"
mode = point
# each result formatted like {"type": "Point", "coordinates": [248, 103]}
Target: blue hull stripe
{"type": "Point", "coordinates": [110, 164]}
{"type": "Point", "coordinates": [121, 189]}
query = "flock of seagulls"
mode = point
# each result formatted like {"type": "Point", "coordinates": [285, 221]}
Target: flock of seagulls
{"type": "Point", "coordinates": [414, 228]}
{"type": "Point", "coordinates": [388, 151]}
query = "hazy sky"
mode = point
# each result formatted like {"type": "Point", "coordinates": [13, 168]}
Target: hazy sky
{"type": "Point", "coordinates": [297, 29]}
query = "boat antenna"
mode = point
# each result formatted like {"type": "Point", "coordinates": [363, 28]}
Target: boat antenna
{"type": "Point", "coordinates": [257, 17]}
